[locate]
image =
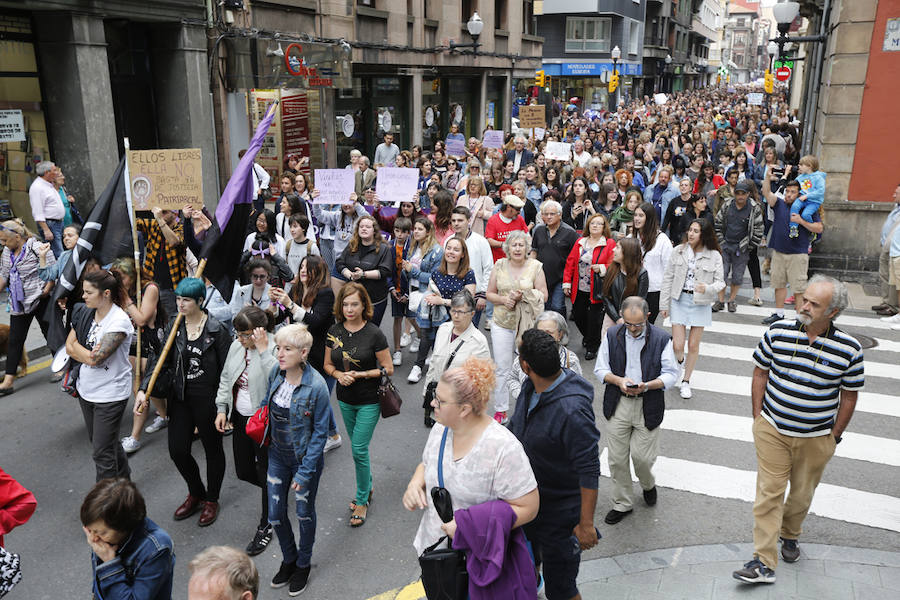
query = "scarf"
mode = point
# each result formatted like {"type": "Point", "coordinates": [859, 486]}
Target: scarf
{"type": "Point", "coordinates": [621, 215]}
{"type": "Point", "coordinates": [16, 288]}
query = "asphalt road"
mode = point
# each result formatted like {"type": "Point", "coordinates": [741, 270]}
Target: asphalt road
{"type": "Point", "coordinates": [46, 448]}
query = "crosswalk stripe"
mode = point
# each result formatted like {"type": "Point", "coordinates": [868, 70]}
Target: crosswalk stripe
{"type": "Point", "coordinates": [723, 383]}
{"type": "Point", "coordinates": [842, 321]}
{"type": "Point", "coordinates": [830, 501]}
{"type": "Point", "coordinates": [745, 354]}
{"type": "Point", "coordinates": [757, 331]}
{"type": "Point", "coordinates": [853, 445]}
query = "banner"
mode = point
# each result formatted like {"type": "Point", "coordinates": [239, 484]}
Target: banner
{"type": "Point", "coordinates": [295, 123]}
{"type": "Point", "coordinates": [334, 185]}
{"type": "Point", "coordinates": [539, 132]}
{"type": "Point", "coordinates": [456, 147]}
{"type": "Point", "coordinates": [558, 151]}
{"type": "Point", "coordinates": [532, 116]}
{"type": "Point", "coordinates": [493, 138]}
{"type": "Point", "coordinates": [168, 179]}
{"type": "Point", "coordinates": [395, 185]}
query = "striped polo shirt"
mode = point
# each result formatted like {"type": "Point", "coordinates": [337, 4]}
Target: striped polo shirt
{"type": "Point", "coordinates": [805, 379]}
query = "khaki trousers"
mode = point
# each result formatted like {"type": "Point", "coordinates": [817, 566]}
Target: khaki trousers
{"type": "Point", "coordinates": [888, 290]}
{"type": "Point", "coordinates": [627, 435]}
{"type": "Point", "coordinates": [782, 458]}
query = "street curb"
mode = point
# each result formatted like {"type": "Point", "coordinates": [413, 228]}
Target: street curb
{"type": "Point", "coordinates": [33, 355]}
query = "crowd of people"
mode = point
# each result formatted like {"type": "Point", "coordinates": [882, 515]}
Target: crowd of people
{"type": "Point", "coordinates": [659, 208]}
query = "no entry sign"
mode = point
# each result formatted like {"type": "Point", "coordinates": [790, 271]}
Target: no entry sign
{"type": "Point", "coordinates": [782, 74]}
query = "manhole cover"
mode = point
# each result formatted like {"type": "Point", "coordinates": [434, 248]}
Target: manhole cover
{"type": "Point", "coordinates": [865, 341]}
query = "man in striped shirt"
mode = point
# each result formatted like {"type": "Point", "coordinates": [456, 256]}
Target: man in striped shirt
{"type": "Point", "coordinates": [806, 380]}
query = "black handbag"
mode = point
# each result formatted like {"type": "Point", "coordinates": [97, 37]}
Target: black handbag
{"type": "Point", "coordinates": [444, 574]}
{"type": "Point", "coordinates": [388, 396]}
{"type": "Point", "coordinates": [429, 389]}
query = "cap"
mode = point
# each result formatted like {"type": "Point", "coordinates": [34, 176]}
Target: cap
{"type": "Point", "coordinates": [513, 201]}
{"type": "Point", "coordinates": [744, 186]}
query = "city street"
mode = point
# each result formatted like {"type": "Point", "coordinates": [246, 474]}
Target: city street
{"type": "Point", "coordinates": [706, 474]}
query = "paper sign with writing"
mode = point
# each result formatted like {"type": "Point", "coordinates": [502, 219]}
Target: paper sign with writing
{"type": "Point", "coordinates": [660, 98]}
{"type": "Point", "coordinates": [558, 151]}
{"type": "Point", "coordinates": [334, 185]}
{"type": "Point", "coordinates": [12, 126]}
{"type": "Point", "coordinates": [532, 116]}
{"type": "Point", "coordinates": [395, 185]}
{"type": "Point", "coordinates": [492, 139]}
{"type": "Point", "coordinates": [755, 98]}
{"type": "Point", "coordinates": [539, 132]}
{"type": "Point", "coordinates": [168, 179]}
{"type": "Point", "coordinates": [456, 147]}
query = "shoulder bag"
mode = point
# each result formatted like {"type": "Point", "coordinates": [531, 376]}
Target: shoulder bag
{"type": "Point", "coordinates": [388, 396]}
{"type": "Point", "coordinates": [257, 427]}
{"type": "Point", "coordinates": [429, 389]}
{"type": "Point", "coordinates": [444, 574]}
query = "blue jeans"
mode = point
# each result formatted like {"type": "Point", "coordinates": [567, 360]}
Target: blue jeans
{"type": "Point", "coordinates": [489, 311]}
{"type": "Point", "coordinates": [56, 228]}
{"type": "Point", "coordinates": [557, 300]}
{"type": "Point", "coordinates": [282, 468]}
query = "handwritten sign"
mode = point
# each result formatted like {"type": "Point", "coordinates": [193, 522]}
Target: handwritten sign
{"type": "Point", "coordinates": [492, 139]}
{"type": "Point", "coordinates": [660, 99]}
{"type": "Point", "coordinates": [334, 185]}
{"type": "Point", "coordinates": [12, 126]}
{"type": "Point", "coordinates": [396, 185]}
{"type": "Point", "coordinates": [755, 98]}
{"type": "Point", "coordinates": [532, 116]}
{"type": "Point", "coordinates": [168, 179]}
{"type": "Point", "coordinates": [558, 151]}
{"type": "Point", "coordinates": [456, 147]}
{"type": "Point", "coordinates": [539, 132]}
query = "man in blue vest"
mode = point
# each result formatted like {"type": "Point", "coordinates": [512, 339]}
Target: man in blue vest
{"type": "Point", "coordinates": [637, 364]}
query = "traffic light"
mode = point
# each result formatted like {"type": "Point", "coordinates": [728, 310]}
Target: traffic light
{"type": "Point", "coordinates": [769, 82]}
{"type": "Point", "coordinates": [549, 83]}
{"type": "Point", "coordinates": [613, 81]}
{"type": "Point", "coordinates": [539, 78]}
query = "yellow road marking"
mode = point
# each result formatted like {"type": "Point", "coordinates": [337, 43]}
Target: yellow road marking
{"type": "Point", "coordinates": [413, 591]}
{"type": "Point", "coordinates": [33, 368]}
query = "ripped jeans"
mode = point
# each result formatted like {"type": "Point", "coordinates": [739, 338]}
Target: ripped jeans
{"type": "Point", "coordinates": [283, 466]}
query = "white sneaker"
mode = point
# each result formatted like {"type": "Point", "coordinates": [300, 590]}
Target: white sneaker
{"type": "Point", "coordinates": [428, 361]}
{"type": "Point", "coordinates": [892, 320]}
{"type": "Point", "coordinates": [487, 324]}
{"type": "Point", "coordinates": [414, 345]}
{"type": "Point", "coordinates": [398, 358]}
{"type": "Point", "coordinates": [405, 340]}
{"type": "Point", "coordinates": [130, 445]}
{"type": "Point", "coordinates": [333, 442]}
{"type": "Point", "coordinates": [685, 390]}
{"type": "Point", "coordinates": [157, 424]}
{"type": "Point", "coordinates": [415, 374]}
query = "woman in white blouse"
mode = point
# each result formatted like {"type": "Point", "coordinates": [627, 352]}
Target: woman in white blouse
{"type": "Point", "coordinates": [656, 249]}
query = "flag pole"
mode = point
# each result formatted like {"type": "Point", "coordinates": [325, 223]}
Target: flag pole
{"type": "Point", "coordinates": [137, 267]}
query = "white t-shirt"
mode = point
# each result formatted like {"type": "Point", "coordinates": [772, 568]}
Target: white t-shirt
{"type": "Point", "coordinates": [242, 402]}
{"type": "Point", "coordinates": [495, 468]}
{"type": "Point", "coordinates": [279, 243]}
{"type": "Point", "coordinates": [297, 251]}
{"type": "Point", "coordinates": [111, 380]}
{"type": "Point", "coordinates": [283, 395]}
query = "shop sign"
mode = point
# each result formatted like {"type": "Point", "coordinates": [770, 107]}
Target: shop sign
{"type": "Point", "coordinates": [591, 69]}
{"type": "Point", "coordinates": [294, 123]}
{"type": "Point", "coordinates": [387, 121]}
{"type": "Point", "coordinates": [429, 116]}
{"type": "Point", "coordinates": [12, 126]}
{"type": "Point", "coordinates": [396, 185]}
{"type": "Point", "coordinates": [348, 126]}
{"type": "Point", "coordinates": [492, 139]}
{"type": "Point", "coordinates": [169, 179]}
{"type": "Point", "coordinates": [296, 66]}
{"type": "Point", "coordinates": [532, 116]}
{"type": "Point", "coordinates": [892, 35]}
{"type": "Point", "coordinates": [334, 185]}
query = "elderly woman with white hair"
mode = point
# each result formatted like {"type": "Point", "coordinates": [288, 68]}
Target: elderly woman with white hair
{"type": "Point", "coordinates": [518, 291]}
{"type": "Point", "coordinates": [556, 325]}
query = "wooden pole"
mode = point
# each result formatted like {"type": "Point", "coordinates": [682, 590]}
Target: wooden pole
{"type": "Point", "coordinates": [171, 339]}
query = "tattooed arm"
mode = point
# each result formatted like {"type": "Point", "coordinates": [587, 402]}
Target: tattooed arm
{"type": "Point", "coordinates": [98, 355]}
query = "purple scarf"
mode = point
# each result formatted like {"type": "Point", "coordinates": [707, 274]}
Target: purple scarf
{"type": "Point", "coordinates": [16, 288]}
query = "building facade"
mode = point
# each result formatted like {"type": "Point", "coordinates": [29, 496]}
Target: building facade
{"type": "Point", "coordinates": [741, 48]}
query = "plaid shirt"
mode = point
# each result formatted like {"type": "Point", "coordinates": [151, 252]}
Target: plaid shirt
{"type": "Point", "coordinates": [156, 241]}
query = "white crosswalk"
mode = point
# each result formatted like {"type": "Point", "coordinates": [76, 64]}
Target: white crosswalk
{"type": "Point", "coordinates": [861, 452]}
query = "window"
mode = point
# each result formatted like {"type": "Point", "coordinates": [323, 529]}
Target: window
{"type": "Point", "coordinates": [467, 7]}
{"type": "Point", "coordinates": [740, 39]}
{"type": "Point", "coordinates": [528, 21]}
{"type": "Point", "coordinates": [634, 38]}
{"type": "Point", "coordinates": [499, 14]}
{"type": "Point", "coordinates": [588, 35]}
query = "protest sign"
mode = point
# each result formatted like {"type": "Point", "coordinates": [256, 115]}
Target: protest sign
{"type": "Point", "coordinates": [12, 126]}
{"type": "Point", "coordinates": [660, 99]}
{"type": "Point", "coordinates": [396, 185]}
{"type": "Point", "coordinates": [456, 147]}
{"type": "Point", "coordinates": [755, 98]}
{"type": "Point", "coordinates": [492, 139]}
{"type": "Point", "coordinates": [532, 116]}
{"type": "Point", "coordinates": [558, 151]}
{"type": "Point", "coordinates": [169, 179]}
{"type": "Point", "coordinates": [539, 132]}
{"type": "Point", "coordinates": [334, 185]}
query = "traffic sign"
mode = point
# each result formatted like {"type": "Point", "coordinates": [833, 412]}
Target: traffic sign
{"type": "Point", "coordinates": [783, 74]}
{"type": "Point", "coordinates": [789, 63]}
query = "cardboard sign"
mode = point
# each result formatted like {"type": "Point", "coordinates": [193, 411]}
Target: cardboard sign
{"type": "Point", "coordinates": [168, 179]}
{"type": "Point", "coordinates": [492, 139]}
{"type": "Point", "coordinates": [532, 116]}
{"type": "Point", "coordinates": [334, 185]}
{"type": "Point", "coordinates": [12, 126]}
{"type": "Point", "coordinates": [456, 147]}
{"type": "Point", "coordinates": [755, 98]}
{"type": "Point", "coordinates": [558, 151]}
{"type": "Point", "coordinates": [396, 185]}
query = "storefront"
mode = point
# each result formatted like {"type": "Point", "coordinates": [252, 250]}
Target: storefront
{"type": "Point", "coordinates": [588, 81]}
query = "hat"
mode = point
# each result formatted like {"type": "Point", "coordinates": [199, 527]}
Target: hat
{"type": "Point", "coordinates": [514, 201]}
{"type": "Point", "coordinates": [744, 186]}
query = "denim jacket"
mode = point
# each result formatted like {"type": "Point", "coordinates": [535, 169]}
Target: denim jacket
{"type": "Point", "coordinates": [310, 416]}
{"type": "Point", "coordinates": [430, 262]}
{"type": "Point", "coordinates": [142, 567]}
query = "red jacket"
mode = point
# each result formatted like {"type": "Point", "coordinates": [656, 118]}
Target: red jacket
{"type": "Point", "coordinates": [16, 504]}
{"type": "Point", "coordinates": [602, 255]}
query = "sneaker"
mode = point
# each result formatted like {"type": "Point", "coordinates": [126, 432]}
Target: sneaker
{"type": "Point", "coordinates": [56, 377]}
{"type": "Point", "coordinates": [772, 318]}
{"type": "Point", "coordinates": [500, 417]}
{"type": "Point", "coordinates": [404, 340]}
{"type": "Point", "coordinates": [157, 424]}
{"type": "Point", "coordinates": [732, 307]}
{"type": "Point", "coordinates": [260, 540]}
{"type": "Point", "coordinates": [428, 360]}
{"type": "Point", "coordinates": [685, 390]}
{"type": "Point", "coordinates": [755, 572]}
{"type": "Point", "coordinates": [398, 358]}
{"type": "Point", "coordinates": [790, 300]}
{"type": "Point", "coordinates": [415, 374]}
{"type": "Point", "coordinates": [298, 581]}
{"type": "Point", "coordinates": [892, 320]}
{"type": "Point", "coordinates": [130, 445]}
{"type": "Point", "coordinates": [717, 306]}
{"type": "Point", "coordinates": [414, 345]}
{"type": "Point", "coordinates": [487, 324]}
{"type": "Point", "coordinates": [790, 550]}
{"type": "Point", "coordinates": [333, 442]}
{"type": "Point", "coordinates": [755, 302]}
{"type": "Point", "coordinates": [283, 576]}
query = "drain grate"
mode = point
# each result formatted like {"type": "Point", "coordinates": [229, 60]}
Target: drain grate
{"type": "Point", "coordinates": [865, 341]}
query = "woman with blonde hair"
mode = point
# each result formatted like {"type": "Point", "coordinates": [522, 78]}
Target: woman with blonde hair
{"type": "Point", "coordinates": [367, 259]}
{"type": "Point", "coordinates": [478, 202]}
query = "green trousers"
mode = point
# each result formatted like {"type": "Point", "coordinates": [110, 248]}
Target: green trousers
{"type": "Point", "coordinates": [360, 421]}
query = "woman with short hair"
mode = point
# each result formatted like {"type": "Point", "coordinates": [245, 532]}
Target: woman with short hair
{"type": "Point", "coordinates": [556, 325]}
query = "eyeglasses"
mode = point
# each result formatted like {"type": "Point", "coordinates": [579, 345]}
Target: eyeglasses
{"type": "Point", "coordinates": [440, 402]}
{"type": "Point", "coordinates": [457, 312]}
{"type": "Point", "coordinates": [245, 335]}
{"type": "Point", "coordinates": [259, 277]}
{"type": "Point", "coordinates": [634, 326]}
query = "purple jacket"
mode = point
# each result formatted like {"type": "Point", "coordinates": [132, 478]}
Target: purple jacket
{"type": "Point", "coordinates": [497, 557]}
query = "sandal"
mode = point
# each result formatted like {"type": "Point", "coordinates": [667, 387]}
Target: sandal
{"type": "Point", "coordinates": [353, 503]}
{"type": "Point", "coordinates": [357, 520]}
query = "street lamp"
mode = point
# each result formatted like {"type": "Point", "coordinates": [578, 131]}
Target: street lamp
{"type": "Point", "coordinates": [668, 62]}
{"type": "Point", "coordinates": [616, 54]}
{"type": "Point", "coordinates": [474, 26]}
